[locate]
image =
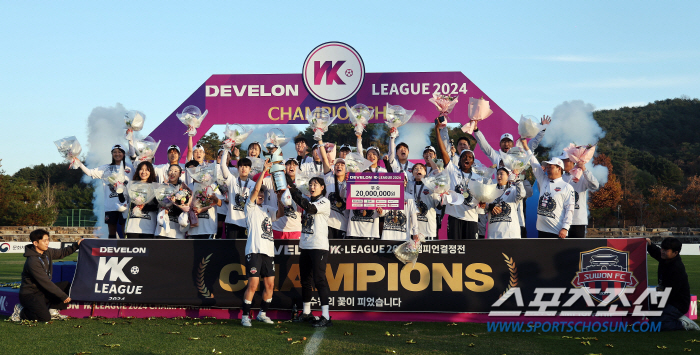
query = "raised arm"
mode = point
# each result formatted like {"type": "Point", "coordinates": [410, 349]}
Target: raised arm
{"type": "Point", "coordinates": [359, 145]}
{"type": "Point", "coordinates": [441, 147]}
{"type": "Point", "coordinates": [224, 169]}
{"type": "Point", "coordinates": [258, 184]}
{"type": "Point", "coordinates": [324, 157]}
{"type": "Point", "coordinates": [589, 181]}
{"type": "Point", "coordinates": [485, 146]}
{"type": "Point", "coordinates": [392, 149]}
{"type": "Point", "coordinates": [535, 142]}
{"type": "Point", "coordinates": [189, 149]}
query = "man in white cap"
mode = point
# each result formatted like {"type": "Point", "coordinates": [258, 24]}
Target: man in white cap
{"type": "Point", "coordinates": [555, 207]}
{"type": "Point", "coordinates": [581, 186]}
{"type": "Point", "coordinates": [173, 159]}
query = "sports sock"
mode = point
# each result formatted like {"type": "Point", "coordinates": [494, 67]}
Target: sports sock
{"type": "Point", "coordinates": [265, 305]}
{"type": "Point", "coordinates": [246, 307]}
{"type": "Point", "coordinates": [324, 312]}
{"type": "Point", "coordinates": [307, 308]}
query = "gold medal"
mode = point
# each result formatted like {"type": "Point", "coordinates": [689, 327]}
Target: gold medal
{"type": "Point", "coordinates": [396, 219]}
{"type": "Point", "coordinates": [339, 204]}
{"type": "Point", "coordinates": [246, 231]}
{"type": "Point", "coordinates": [364, 213]}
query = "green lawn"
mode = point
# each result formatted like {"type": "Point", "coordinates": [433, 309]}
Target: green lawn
{"type": "Point", "coordinates": [142, 336]}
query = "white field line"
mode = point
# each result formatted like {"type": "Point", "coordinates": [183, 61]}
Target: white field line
{"type": "Point", "coordinates": [315, 341]}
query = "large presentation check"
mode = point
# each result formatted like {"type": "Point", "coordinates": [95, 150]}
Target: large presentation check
{"type": "Point", "coordinates": [367, 191]}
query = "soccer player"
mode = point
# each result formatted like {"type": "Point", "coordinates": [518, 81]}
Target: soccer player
{"type": "Point", "coordinates": [462, 219]}
{"type": "Point", "coordinates": [162, 170]}
{"type": "Point", "coordinates": [314, 167]}
{"type": "Point", "coordinates": [555, 208]}
{"type": "Point", "coordinates": [427, 203]}
{"type": "Point", "coordinates": [260, 250]}
{"type": "Point", "coordinates": [581, 186]}
{"type": "Point", "coordinates": [335, 179]}
{"type": "Point", "coordinates": [503, 212]}
{"type": "Point", "coordinates": [142, 224]}
{"type": "Point", "coordinates": [300, 146]}
{"type": "Point", "coordinates": [314, 249]}
{"type": "Point", "coordinates": [399, 152]}
{"type": "Point", "coordinates": [238, 191]}
{"type": "Point", "coordinates": [41, 299]}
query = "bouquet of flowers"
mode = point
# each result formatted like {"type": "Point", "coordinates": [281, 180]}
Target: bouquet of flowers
{"type": "Point", "coordinates": [276, 137]}
{"type": "Point", "coordinates": [440, 164]}
{"type": "Point", "coordinates": [203, 195]}
{"type": "Point", "coordinates": [319, 120]}
{"type": "Point", "coordinates": [146, 149]}
{"type": "Point", "coordinates": [485, 172]}
{"type": "Point", "coordinates": [133, 120]}
{"type": "Point", "coordinates": [444, 104]}
{"type": "Point", "coordinates": [165, 195]}
{"type": "Point", "coordinates": [140, 193]}
{"type": "Point", "coordinates": [70, 150]}
{"type": "Point", "coordinates": [359, 116]}
{"type": "Point", "coordinates": [235, 136]}
{"type": "Point", "coordinates": [397, 116]}
{"type": "Point", "coordinates": [478, 110]}
{"type": "Point", "coordinates": [528, 127]}
{"type": "Point", "coordinates": [440, 184]}
{"type": "Point", "coordinates": [582, 153]}
{"type": "Point", "coordinates": [181, 198]}
{"type": "Point", "coordinates": [356, 163]}
{"type": "Point", "coordinates": [517, 161]}
{"type": "Point", "coordinates": [257, 166]}
{"type": "Point", "coordinates": [205, 175]}
{"type": "Point", "coordinates": [301, 180]}
{"type": "Point", "coordinates": [484, 192]}
{"type": "Point", "coordinates": [116, 179]}
{"type": "Point", "coordinates": [408, 251]}
{"type": "Point", "coordinates": [192, 117]}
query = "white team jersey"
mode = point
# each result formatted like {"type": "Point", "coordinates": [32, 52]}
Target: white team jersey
{"type": "Point", "coordinates": [178, 224]}
{"type": "Point", "coordinates": [238, 193]}
{"type": "Point", "coordinates": [459, 180]}
{"type": "Point", "coordinates": [586, 183]}
{"type": "Point", "coordinates": [401, 224]}
{"type": "Point", "coordinates": [363, 223]}
{"type": "Point", "coordinates": [506, 224]}
{"type": "Point", "coordinates": [312, 168]}
{"type": "Point", "coordinates": [555, 207]}
{"type": "Point", "coordinates": [145, 223]}
{"type": "Point", "coordinates": [314, 227]}
{"type": "Point", "coordinates": [111, 198]}
{"type": "Point", "coordinates": [259, 220]}
{"type": "Point", "coordinates": [291, 220]}
{"type": "Point", "coordinates": [339, 215]}
{"type": "Point", "coordinates": [426, 203]}
{"type": "Point", "coordinates": [406, 167]}
{"type": "Point", "coordinates": [521, 211]}
{"type": "Point", "coordinates": [207, 224]}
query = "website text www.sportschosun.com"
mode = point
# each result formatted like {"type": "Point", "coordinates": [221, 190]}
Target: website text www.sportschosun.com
{"type": "Point", "coordinates": [573, 327]}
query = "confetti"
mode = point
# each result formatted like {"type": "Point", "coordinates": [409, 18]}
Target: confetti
{"type": "Point", "coordinates": [173, 333]}
{"type": "Point", "coordinates": [451, 324]}
{"type": "Point", "coordinates": [284, 332]}
{"type": "Point", "coordinates": [470, 335]}
{"type": "Point", "coordinates": [566, 337]}
{"type": "Point", "coordinates": [347, 333]}
{"type": "Point", "coordinates": [111, 323]}
{"type": "Point", "coordinates": [104, 334]}
{"type": "Point", "coordinates": [289, 339]}
{"type": "Point", "coordinates": [588, 343]}
{"type": "Point", "coordinates": [191, 338]}
{"type": "Point", "coordinates": [389, 351]}
{"type": "Point", "coordinates": [295, 342]}
{"type": "Point", "coordinates": [471, 345]}
{"type": "Point", "coordinates": [692, 341]}
{"type": "Point", "coordinates": [223, 336]}
{"type": "Point", "coordinates": [609, 345]}
{"type": "Point", "coordinates": [112, 346]}
{"type": "Point", "coordinates": [409, 323]}
{"type": "Point", "coordinates": [686, 349]}
{"type": "Point", "coordinates": [83, 353]}
{"type": "Point", "coordinates": [411, 341]}
{"type": "Point", "coordinates": [215, 352]}
{"type": "Point", "coordinates": [662, 347]}
{"type": "Point", "coordinates": [77, 326]}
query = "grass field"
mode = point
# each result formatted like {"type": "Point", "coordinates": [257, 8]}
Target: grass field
{"type": "Point", "coordinates": [210, 336]}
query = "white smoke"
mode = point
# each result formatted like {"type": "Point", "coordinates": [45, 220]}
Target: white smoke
{"type": "Point", "coordinates": [573, 122]}
{"type": "Point", "coordinates": [105, 129]}
{"type": "Point", "coordinates": [416, 135]}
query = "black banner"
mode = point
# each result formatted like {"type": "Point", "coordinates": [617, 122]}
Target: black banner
{"type": "Point", "coordinates": [450, 276]}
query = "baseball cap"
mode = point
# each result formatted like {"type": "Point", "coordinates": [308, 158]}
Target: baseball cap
{"type": "Point", "coordinates": [430, 148]}
{"type": "Point", "coordinates": [375, 148]}
{"type": "Point", "coordinates": [199, 146]}
{"type": "Point", "coordinates": [174, 147]}
{"type": "Point", "coordinates": [338, 160]}
{"type": "Point", "coordinates": [563, 156]}
{"type": "Point", "coordinates": [555, 161]}
{"type": "Point", "coordinates": [117, 146]}
{"type": "Point", "coordinates": [507, 136]}
{"type": "Point", "coordinates": [345, 146]}
{"type": "Point", "coordinates": [291, 160]}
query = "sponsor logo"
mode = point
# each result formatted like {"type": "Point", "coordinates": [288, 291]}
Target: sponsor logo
{"type": "Point", "coordinates": [557, 189]}
{"type": "Point", "coordinates": [115, 267]}
{"type": "Point", "coordinates": [333, 72]}
{"type": "Point", "coordinates": [119, 251]}
{"type": "Point", "coordinates": [4, 247]}
{"type": "Point", "coordinates": [605, 269]}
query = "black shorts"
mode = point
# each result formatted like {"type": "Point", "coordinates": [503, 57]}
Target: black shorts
{"type": "Point", "coordinates": [577, 231]}
{"type": "Point", "coordinates": [114, 217]}
{"type": "Point", "coordinates": [458, 229]}
{"type": "Point", "coordinates": [259, 265]}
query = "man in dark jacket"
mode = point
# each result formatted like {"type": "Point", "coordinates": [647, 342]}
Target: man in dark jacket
{"type": "Point", "coordinates": [672, 275]}
{"type": "Point", "coordinates": [39, 298]}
